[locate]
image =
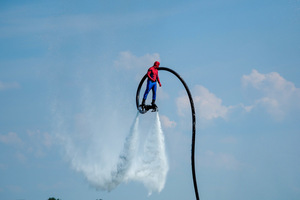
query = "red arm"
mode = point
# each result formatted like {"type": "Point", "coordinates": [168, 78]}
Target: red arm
{"type": "Point", "coordinates": [158, 80]}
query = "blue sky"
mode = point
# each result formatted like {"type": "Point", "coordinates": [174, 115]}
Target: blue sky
{"type": "Point", "coordinates": [70, 69]}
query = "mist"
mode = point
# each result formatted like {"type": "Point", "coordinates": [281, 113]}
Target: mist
{"type": "Point", "coordinates": [109, 151]}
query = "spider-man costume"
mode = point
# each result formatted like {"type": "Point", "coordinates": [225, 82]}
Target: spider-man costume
{"type": "Point", "coordinates": [151, 82]}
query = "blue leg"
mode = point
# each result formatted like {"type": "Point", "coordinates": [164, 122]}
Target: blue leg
{"type": "Point", "coordinates": [154, 91]}
{"type": "Point", "coordinates": [148, 88]}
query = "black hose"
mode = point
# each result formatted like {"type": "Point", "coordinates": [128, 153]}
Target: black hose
{"type": "Point", "coordinates": [193, 121]}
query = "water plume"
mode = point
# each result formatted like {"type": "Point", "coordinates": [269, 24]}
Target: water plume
{"type": "Point", "coordinates": [142, 158]}
{"type": "Point", "coordinates": [152, 166]}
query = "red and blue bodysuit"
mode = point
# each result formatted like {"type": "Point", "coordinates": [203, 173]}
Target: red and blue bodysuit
{"type": "Point", "coordinates": [151, 82]}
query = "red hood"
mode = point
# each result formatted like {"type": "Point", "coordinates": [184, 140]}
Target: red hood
{"type": "Point", "coordinates": [156, 64]}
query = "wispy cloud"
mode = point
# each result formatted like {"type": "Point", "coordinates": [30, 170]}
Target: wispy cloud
{"type": "Point", "coordinates": [166, 122]}
{"type": "Point", "coordinates": [209, 106]}
{"type": "Point", "coordinates": [277, 95]}
{"type": "Point", "coordinates": [37, 143]}
{"type": "Point", "coordinates": [269, 91]}
{"type": "Point", "coordinates": [127, 60]}
{"type": "Point", "coordinates": [9, 85]}
{"type": "Point", "coordinates": [42, 138]}
{"type": "Point", "coordinates": [34, 143]}
{"type": "Point", "coordinates": [11, 138]}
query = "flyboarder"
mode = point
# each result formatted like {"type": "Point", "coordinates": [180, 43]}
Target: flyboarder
{"type": "Point", "coordinates": [151, 84]}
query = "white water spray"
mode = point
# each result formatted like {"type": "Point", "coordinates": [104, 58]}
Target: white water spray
{"type": "Point", "coordinates": [152, 165]}
{"type": "Point", "coordinates": [142, 159]}
{"type": "Point", "coordinates": [120, 173]}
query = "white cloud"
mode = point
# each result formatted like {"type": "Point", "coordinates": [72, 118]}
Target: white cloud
{"type": "Point", "coordinates": [126, 60]}
{"type": "Point", "coordinates": [277, 95]}
{"type": "Point", "coordinates": [43, 139]}
{"type": "Point", "coordinates": [271, 92]}
{"type": "Point", "coordinates": [246, 108]}
{"type": "Point", "coordinates": [36, 143]}
{"type": "Point", "coordinates": [11, 139]}
{"type": "Point", "coordinates": [6, 86]}
{"type": "Point", "coordinates": [207, 104]}
{"type": "Point", "coordinates": [166, 122]}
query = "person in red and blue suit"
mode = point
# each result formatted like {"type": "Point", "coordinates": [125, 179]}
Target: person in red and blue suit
{"type": "Point", "coordinates": [151, 83]}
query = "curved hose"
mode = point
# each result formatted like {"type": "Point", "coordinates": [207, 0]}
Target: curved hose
{"type": "Point", "coordinates": [193, 120]}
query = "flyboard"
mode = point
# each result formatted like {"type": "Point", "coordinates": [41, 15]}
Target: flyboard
{"type": "Point", "coordinates": [143, 109]}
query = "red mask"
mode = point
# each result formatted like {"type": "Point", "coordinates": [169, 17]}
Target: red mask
{"type": "Point", "coordinates": [156, 64]}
